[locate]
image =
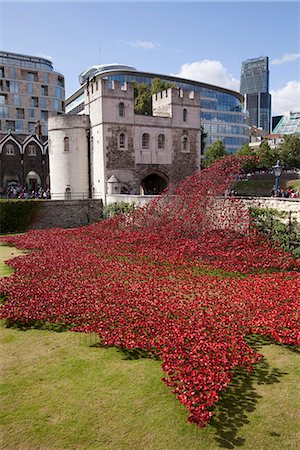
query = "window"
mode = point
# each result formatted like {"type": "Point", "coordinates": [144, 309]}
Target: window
{"type": "Point", "coordinates": [2, 99]}
{"type": "Point", "coordinates": [46, 77]}
{"type": "Point", "coordinates": [10, 125]}
{"type": "Point", "coordinates": [55, 104]}
{"type": "Point", "coordinates": [4, 112]}
{"type": "Point", "coordinates": [44, 90]}
{"type": "Point", "coordinates": [20, 113]}
{"type": "Point", "coordinates": [31, 127]}
{"type": "Point", "coordinates": [10, 149]}
{"type": "Point", "coordinates": [121, 109]}
{"type": "Point", "coordinates": [44, 115]}
{"type": "Point", "coordinates": [145, 140]}
{"type": "Point", "coordinates": [1, 72]}
{"type": "Point", "coordinates": [19, 125]}
{"type": "Point", "coordinates": [184, 115]}
{"type": "Point", "coordinates": [31, 150]}
{"type": "Point", "coordinates": [161, 141]}
{"type": "Point", "coordinates": [16, 99]}
{"type": "Point", "coordinates": [13, 86]}
{"type": "Point", "coordinates": [66, 144]}
{"type": "Point", "coordinates": [185, 144]}
{"type": "Point", "coordinates": [32, 76]}
{"type": "Point", "coordinates": [29, 88]}
{"type": "Point", "coordinates": [60, 82]}
{"type": "Point", "coordinates": [58, 92]}
{"type": "Point", "coordinates": [31, 113]}
{"type": "Point", "coordinates": [35, 102]}
{"type": "Point", "coordinates": [43, 102]}
{"type": "Point", "coordinates": [12, 73]}
{"type": "Point", "coordinates": [122, 140]}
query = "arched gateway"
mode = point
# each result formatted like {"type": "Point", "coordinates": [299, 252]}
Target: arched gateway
{"type": "Point", "coordinates": [153, 184]}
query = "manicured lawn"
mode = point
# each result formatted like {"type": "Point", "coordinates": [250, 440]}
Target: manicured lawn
{"type": "Point", "coordinates": [263, 187]}
{"type": "Point", "coordinates": [63, 391]}
{"type": "Point", "coordinates": [6, 253]}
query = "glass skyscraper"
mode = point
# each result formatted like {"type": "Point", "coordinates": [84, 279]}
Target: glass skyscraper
{"type": "Point", "coordinates": [255, 88]}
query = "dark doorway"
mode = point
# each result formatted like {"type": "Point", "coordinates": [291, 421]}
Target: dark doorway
{"type": "Point", "coordinates": [153, 184]}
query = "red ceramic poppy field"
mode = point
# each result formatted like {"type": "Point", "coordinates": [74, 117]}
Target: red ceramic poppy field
{"type": "Point", "coordinates": [186, 278]}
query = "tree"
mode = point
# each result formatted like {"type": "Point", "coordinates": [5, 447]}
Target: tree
{"type": "Point", "coordinates": [213, 153]}
{"type": "Point", "coordinates": [143, 94]}
{"type": "Point", "coordinates": [266, 157]}
{"type": "Point", "coordinates": [249, 153]}
{"type": "Point", "coordinates": [142, 99]}
{"type": "Point", "coordinates": [289, 151]}
{"type": "Point", "coordinates": [159, 85]}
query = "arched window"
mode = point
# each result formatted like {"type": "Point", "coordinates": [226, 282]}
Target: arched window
{"type": "Point", "coordinates": [185, 144]}
{"type": "Point", "coordinates": [184, 115]}
{"type": "Point", "coordinates": [161, 141]}
{"type": "Point", "coordinates": [122, 140]}
{"type": "Point", "coordinates": [121, 109]}
{"type": "Point", "coordinates": [66, 144]}
{"type": "Point", "coordinates": [145, 140]}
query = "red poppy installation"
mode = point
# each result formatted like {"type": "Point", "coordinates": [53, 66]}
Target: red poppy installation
{"type": "Point", "coordinates": [185, 278]}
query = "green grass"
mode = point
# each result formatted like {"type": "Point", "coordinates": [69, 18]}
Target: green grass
{"type": "Point", "coordinates": [65, 391]}
{"type": "Point", "coordinates": [6, 253]}
{"type": "Point", "coordinates": [263, 187]}
{"type": "Point", "coordinates": [294, 184]}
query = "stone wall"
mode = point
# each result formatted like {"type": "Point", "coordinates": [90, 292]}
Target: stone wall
{"type": "Point", "coordinates": [281, 204]}
{"type": "Point", "coordinates": [67, 213]}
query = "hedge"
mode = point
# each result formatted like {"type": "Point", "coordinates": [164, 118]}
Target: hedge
{"type": "Point", "coordinates": [17, 215]}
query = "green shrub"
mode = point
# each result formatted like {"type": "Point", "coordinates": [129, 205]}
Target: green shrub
{"type": "Point", "coordinates": [17, 215]}
{"type": "Point", "coordinates": [117, 208]}
{"type": "Point", "coordinates": [280, 227]}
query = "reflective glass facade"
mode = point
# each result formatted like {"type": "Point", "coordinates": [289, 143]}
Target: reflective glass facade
{"type": "Point", "coordinates": [289, 124]}
{"type": "Point", "coordinates": [255, 75]}
{"type": "Point", "coordinates": [255, 88]}
{"type": "Point", "coordinates": [222, 111]}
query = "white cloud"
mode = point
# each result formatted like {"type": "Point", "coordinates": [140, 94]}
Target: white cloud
{"type": "Point", "coordinates": [209, 71]}
{"type": "Point", "coordinates": [286, 98]}
{"type": "Point", "coordinates": [145, 45]}
{"type": "Point", "coordinates": [287, 57]}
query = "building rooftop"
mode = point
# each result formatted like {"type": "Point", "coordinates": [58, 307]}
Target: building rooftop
{"type": "Point", "coordinates": [289, 124]}
{"type": "Point", "coordinates": [18, 59]}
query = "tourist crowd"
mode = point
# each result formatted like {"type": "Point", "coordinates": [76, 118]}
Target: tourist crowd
{"type": "Point", "coordinates": [20, 192]}
{"type": "Point", "coordinates": [287, 193]}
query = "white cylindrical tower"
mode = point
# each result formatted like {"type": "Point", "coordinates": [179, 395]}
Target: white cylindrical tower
{"type": "Point", "coordinates": [69, 156]}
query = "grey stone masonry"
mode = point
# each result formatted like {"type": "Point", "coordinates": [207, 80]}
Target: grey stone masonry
{"type": "Point", "coordinates": [67, 213]}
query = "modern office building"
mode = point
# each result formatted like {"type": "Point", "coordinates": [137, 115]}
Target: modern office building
{"type": "Point", "coordinates": [255, 88]}
{"type": "Point", "coordinates": [30, 92]}
{"type": "Point", "coordinates": [289, 124]}
{"type": "Point", "coordinates": [222, 112]}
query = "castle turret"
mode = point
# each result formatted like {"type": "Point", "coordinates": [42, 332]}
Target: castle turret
{"type": "Point", "coordinates": [69, 157]}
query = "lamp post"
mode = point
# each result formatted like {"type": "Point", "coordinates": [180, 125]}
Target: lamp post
{"type": "Point", "coordinates": [277, 169]}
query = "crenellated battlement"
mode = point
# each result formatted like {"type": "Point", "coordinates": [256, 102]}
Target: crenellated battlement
{"type": "Point", "coordinates": [117, 89]}
{"type": "Point", "coordinates": [177, 96]}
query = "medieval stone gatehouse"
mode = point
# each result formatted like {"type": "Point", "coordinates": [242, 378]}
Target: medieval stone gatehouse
{"type": "Point", "coordinates": [111, 150]}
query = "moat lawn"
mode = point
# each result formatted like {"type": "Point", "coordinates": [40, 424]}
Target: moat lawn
{"type": "Point", "coordinates": [64, 391]}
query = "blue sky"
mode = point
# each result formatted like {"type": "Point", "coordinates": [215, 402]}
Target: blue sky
{"type": "Point", "coordinates": [198, 40]}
